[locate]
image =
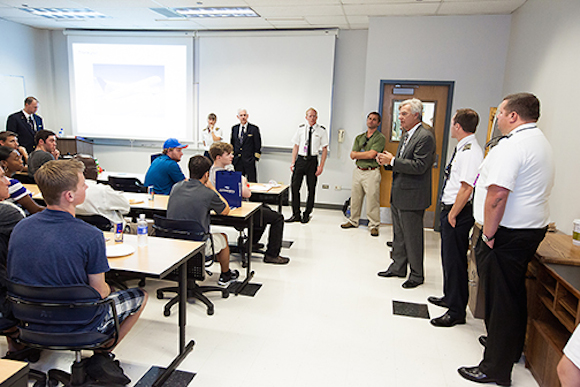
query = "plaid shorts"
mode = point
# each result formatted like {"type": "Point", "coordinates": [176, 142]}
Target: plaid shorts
{"type": "Point", "coordinates": [127, 302]}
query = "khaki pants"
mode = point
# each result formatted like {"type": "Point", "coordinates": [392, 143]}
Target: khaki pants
{"type": "Point", "coordinates": [366, 183]}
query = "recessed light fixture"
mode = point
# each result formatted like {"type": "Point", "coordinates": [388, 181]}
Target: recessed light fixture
{"type": "Point", "coordinates": [65, 13]}
{"type": "Point", "coordinates": [216, 12]}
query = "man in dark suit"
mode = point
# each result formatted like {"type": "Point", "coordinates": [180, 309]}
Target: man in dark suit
{"type": "Point", "coordinates": [410, 192]}
{"type": "Point", "coordinates": [247, 145]}
{"type": "Point", "coordinates": [26, 123]}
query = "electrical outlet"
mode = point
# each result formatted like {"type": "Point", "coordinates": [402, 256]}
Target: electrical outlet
{"type": "Point", "coordinates": [325, 186]}
{"type": "Point", "coordinates": [337, 187]}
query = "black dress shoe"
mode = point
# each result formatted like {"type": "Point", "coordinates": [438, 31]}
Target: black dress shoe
{"type": "Point", "coordinates": [446, 321]}
{"type": "Point", "coordinates": [475, 375]}
{"type": "Point", "coordinates": [387, 274]}
{"type": "Point", "coordinates": [305, 219]}
{"type": "Point", "coordinates": [410, 284]}
{"type": "Point", "coordinates": [293, 218]}
{"type": "Point", "coordinates": [439, 301]}
{"type": "Point", "coordinates": [257, 247]}
{"type": "Point", "coordinates": [483, 340]}
{"type": "Point", "coordinates": [390, 243]}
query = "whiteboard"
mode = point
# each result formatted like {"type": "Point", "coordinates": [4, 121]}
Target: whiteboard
{"type": "Point", "coordinates": [275, 78]}
{"type": "Point", "coordinates": [11, 97]}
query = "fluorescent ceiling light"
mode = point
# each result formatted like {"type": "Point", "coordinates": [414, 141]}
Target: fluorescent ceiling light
{"type": "Point", "coordinates": [216, 12]}
{"type": "Point", "coordinates": [65, 13]}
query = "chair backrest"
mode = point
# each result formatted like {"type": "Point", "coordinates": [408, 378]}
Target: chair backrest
{"type": "Point", "coordinates": [98, 221]}
{"type": "Point", "coordinates": [179, 229]}
{"type": "Point", "coordinates": [185, 229]}
{"type": "Point", "coordinates": [127, 184]}
{"type": "Point", "coordinates": [155, 155]}
{"type": "Point", "coordinates": [57, 317]}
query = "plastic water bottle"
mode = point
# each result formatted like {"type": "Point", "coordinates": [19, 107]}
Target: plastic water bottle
{"type": "Point", "coordinates": [142, 231]}
{"type": "Point", "coordinates": [61, 133]}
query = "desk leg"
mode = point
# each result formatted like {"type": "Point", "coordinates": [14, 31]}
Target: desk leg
{"type": "Point", "coordinates": [280, 202]}
{"type": "Point", "coordinates": [248, 251]}
{"type": "Point", "coordinates": [182, 305]}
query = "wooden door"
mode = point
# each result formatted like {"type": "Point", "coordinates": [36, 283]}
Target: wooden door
{"type": "Point", "coordinates": [436, 98]}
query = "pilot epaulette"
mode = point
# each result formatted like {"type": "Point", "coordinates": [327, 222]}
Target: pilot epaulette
{"type": "Point", "coordinates": [322, 127]}
{"type": "Point", "coordinates": [466, 147]}
{"type": "Point", "coordinates": [301, 125]}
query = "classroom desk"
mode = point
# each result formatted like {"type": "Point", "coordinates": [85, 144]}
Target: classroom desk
{"type": "Point", "coordinates": [264, 194]}
{"type": "Point", "coordinates": [159, 258]}
{"type": "Point", "coordinates": [104, 176]}
{"type": "Point", "coordinates": [241, 217]}
{"type": "Point", "coordinates": [34, 189]}
{"type": "Point", "coordinates": [13, 373]}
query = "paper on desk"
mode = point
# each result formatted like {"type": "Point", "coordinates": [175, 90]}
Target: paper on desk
{"type": "Point", "coordinates": [260, 187]}
{"type": "Point", "coordinates": [135, 201]}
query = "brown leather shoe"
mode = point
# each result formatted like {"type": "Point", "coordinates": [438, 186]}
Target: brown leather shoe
{"type": "Point", "coordinates": [347, 225]}
{"type": "Point", "coordinates": [276, 260]}
{"type": "Point", "coordinates": [375, 231]}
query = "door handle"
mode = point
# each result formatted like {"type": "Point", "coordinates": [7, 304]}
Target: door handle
{"type": "Point", "coordinates": [436, 162]}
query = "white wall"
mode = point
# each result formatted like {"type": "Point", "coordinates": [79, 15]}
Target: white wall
{"type": "Point", "coordinates": [544, 57]}
{"type": "Point", "coordinates": [347, 114]}
{"type": "Point", "coordinates": [25, 51]}
{"type": "Point", "coordinates": [470, 50]}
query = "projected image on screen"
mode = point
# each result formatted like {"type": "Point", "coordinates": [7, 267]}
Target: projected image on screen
{"type": "Point", "coordinates": [138, 86]}
{"type": "Point", "coordinates": [131, 91]}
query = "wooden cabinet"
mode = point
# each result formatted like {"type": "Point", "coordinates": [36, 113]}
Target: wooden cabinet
{"type": "Point", "coordinates": [73, 145]}
{"type": "Point", "coordinates": [553, 306]}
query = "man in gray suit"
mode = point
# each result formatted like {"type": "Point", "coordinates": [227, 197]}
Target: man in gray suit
{"type": "Point", "coordinates": [410, 192]}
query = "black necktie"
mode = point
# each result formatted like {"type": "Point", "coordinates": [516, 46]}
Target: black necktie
{"type": "Point", "coordinates": [242, 129]}
{"type": "Point", "coordinates": [30, 122]}
{"type": "Point", "coordinates": [447, 171]}
{"type": "Point", "coordinates": [309, 142]}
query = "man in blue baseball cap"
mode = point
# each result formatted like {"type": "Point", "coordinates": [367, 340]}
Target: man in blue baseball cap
{"type": "Point", "coordinates": [164, 171]}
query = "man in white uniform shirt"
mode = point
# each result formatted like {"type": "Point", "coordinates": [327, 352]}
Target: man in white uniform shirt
{"type": "Point", "coordinates": [101, 199]}
{"type": "Point", "coordinates": [457, 218]}
{"type": "Point", "coordinates": [511, 202]}
{"type": "Point", "coordinates": [569, 366]}
{"type": "Point", "coordinates": [308, 141]}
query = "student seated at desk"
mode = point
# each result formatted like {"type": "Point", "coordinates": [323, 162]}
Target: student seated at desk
{"type": "Point", "coordinates": [10, 215]}
{"type": "Point", "coordinates": [221, 153]}
{"type": "Point", "coordinates": [45, 150]}
{"type": "Point", "coordinates": [67, 251]}
{"type": "Point", "coordinates": [192, 200]}
{"type": "Point", "coordinates": [10, 139]}
{"type": "Point", "coordinates": [164, 171]}
{"type": "Point", "coordinates": [11, 163]}
{"type": "Point", "coordinates": [101, 199]}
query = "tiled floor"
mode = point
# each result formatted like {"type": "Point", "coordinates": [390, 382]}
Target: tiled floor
{"type": "Point", "coordinates": [323, 320]}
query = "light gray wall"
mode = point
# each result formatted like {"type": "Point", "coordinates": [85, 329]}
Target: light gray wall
{"type": "Point", "coordinates": [470, 50]}
{"type": "Point", "coordinates": [544, 57]}
{"type": "Point", "coordinates": [25, 51]}
{"type": "Point", "coordinates": [347, 114]}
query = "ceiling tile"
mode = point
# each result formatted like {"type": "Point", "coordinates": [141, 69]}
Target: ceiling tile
{"type": "Point", "coordinates": [392, 9]}
{"type": "Point", "coordinates": [317, 10]}
{"type": "Point", "coordinates": [479, 7]}
{"type": "Point", "coordinates": [357, 19]}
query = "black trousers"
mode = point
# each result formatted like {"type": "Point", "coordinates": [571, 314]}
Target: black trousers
{"type": "Point", "coordinates": [248, 169]}
{"type": "Point", "coordinates": [408, 243]}
{"type": "Point", "coordinates": [276, 222]}
{"type": "Point", "coordinates": [502, 270]}
{"type": "Point", "coordinates": [304, 167]}
{"type": "Point", "coordinates": [454, 246]}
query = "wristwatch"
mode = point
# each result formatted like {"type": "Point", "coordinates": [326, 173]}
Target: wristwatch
{"type": "Point", "coordinates": [486, 239]}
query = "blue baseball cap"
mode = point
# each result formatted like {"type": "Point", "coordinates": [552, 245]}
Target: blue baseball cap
{"type": "Point", "coordinates": [173, 143]}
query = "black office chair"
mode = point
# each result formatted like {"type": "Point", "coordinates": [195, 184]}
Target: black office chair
{"type": "Point", "coordinates": [190, 230]}
{"type": "Point", "coordinates": [98, 221]}
{"type": "Point", "coordinates": [155, 155]}
{"type": "Point", "coordinates": [127, 184]}
{"type": "Point", "coordinates": [49, 308]}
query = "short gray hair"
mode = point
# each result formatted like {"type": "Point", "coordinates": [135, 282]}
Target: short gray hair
{"type": "Point", "coordinates": [242, 110]}
{"type": "Point", "coordinates": [415, 104]}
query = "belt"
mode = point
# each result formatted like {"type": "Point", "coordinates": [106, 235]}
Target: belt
{"type": "Point", "coordinates": [366, 169]}
{"type": "Point", "coordinates": [306, 158]}
{"type": "Point", "coordinates": [447, 207]}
